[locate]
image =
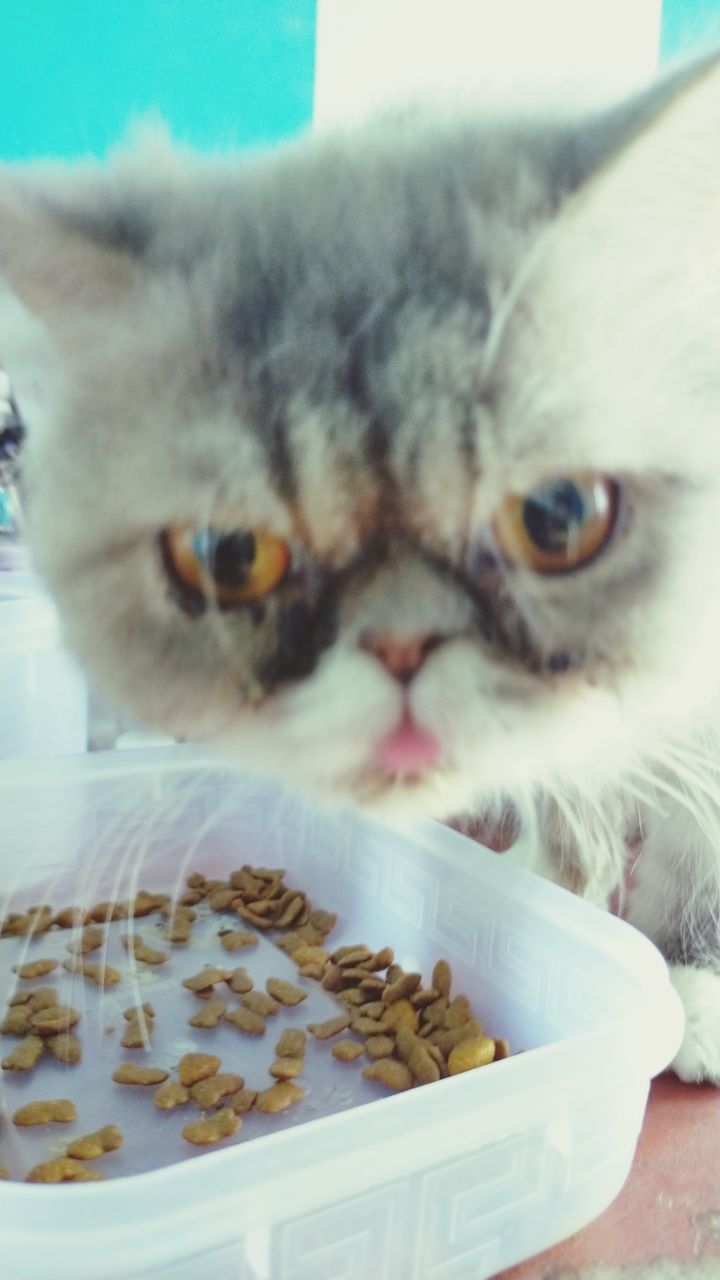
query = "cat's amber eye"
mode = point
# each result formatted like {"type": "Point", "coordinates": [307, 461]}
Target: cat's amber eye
{"type": "Point", "coordinates": [559, 526]}
{"type": "Point", "coordinates": [228, 568]}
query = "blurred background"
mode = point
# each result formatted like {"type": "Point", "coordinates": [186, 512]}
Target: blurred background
{"type": "Point", "coordinates": [248, 73]}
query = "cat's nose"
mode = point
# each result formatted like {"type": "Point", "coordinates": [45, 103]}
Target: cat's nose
{"type": "Point", "coordinates": [402, 658]}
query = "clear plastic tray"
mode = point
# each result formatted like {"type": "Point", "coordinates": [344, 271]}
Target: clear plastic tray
{"type": "Point", "coordinates": [457, 1180]}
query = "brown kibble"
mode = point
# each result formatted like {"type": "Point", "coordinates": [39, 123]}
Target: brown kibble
{"type": "Point", "coordinates": [434, 1014]}
{"type": "Point", "coordinates": [16, 1021]}
{"type": "Point", "coordinates": [134, 1011]}
{"type": "Point", "coordinates": [458, 1013]}
{"type": "Point", "coordinates": [368, 981]}
{"type": "Point", "coordinates": [16, 925]}
{"type": "Point", "coordinates": [322, 921]}
{"type": "Point", "coordinates": [389, 1072]}
{"type": "Point", "coordinates": [54, 1019]}
{"type": "Point", "coordinates": [209, 1015]}
{"type": "Point", "coordinates": [245, 1020]}
{"type": "Point", "coordinates": [332, 979]}
{"type": "Point", "coordinates": [90, 939]}
{"type": "Point", "coordinates": [379, 1046]}
{"type": "Point", "coordinates": [39, 919]}
{"type": "Point", "coordinates": [286, 1068]}
{"type": "Point", "coordinates": [43, 998]}
{"type": "Point", "coordinates": [368, 1026]}
{"type": "Point", "coordinates": [19, 997]}
{"type": "Point", "coordinates": [239, 981]}
{"type": "Point", "coordinates": [206, 979]}
{"type": "Point", "coordinates": [331, 1027]}
{"type": "Point", "coordinates": [221, 898]}
{"type": "Point", "coordinates": [93, 1145]}
{"type": "Point", "coordinates": [401, 1014]}
{"type": "Point", "coordinates": [52, 1111]}
{"type": "Point", "coordinates": [68, 918]}
{"type": "Point", "coordinates": [350, 957]}
{"type": "Point", "coordinates": [291, 912]}
{"type": "Point", "coordinates": [279, 1097]}
{"type": "Point", "coordinates": [415, 1052]}
{"type": "Point", "coordinates": [423, 996]}
{"type": "Point", "coordinates": [285, 992]}
{"type": "Point", "coordinates": [137, 1033]}
{"type": "Point", "coordinates": [442, 978]}
{"type": "Point", "coordinates": [209, 1092]}
{"type": "Point", "coordinates": [502, 1049]}
{"type": "Point", "coordinates": [236, 939]}
{"type": "Point", "coordinates": [196, 880]}
{"type": "Point", "coordinates": [171, 1095]}
{"type": "Point", "coordinates": [348, 1050]}
{"type": "Point", "coordinates": [103, 975]}
{"type": "Point", "coordinates": [315, 971]}
{"type": "Point", "coordinates": [142, 952]}
{"type": "Point", "coordinates": [470, 1054]}
{"type": "Point", "coordinates": [291, 1043]}
{"type": "Point", "coordinates": [63, 1169]}
{"type": "Point", "coordinates": [446, 1040]}
{"type": "Point", "coordinates": [305, 954]}
{"type": "Point", "coordinates": [25, 1055]}
{"type": "Point", "coordinates": [381, 959]}
{"type": "Point", "coordinates": [373, 1009]}
{"type": "Point", "coordinates": [65, 1047]}
{"type": "Point", "coordinates": [130, 1073]}
{"type": "Point", "coordinates": [404, 985]}
{"type": "Point", "coordinates": [35, 968]}
{"type": "Point", "coordinates": [242, 1101]}
{"type": "Point", "coordinates": [251, 917]}
{"type": "Point", "coordinates": [221, 1125]}
{"type": "Point", "coordinates": [197, 1066]}
{"type": "Point", "coordinates": [260, 1003]}
{"type": "Point", "coordinates": [352, 996]}
{"type": "Point", "coordinates": [103, 912]}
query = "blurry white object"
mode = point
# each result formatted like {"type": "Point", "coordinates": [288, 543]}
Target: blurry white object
{"type": "Point", "coordinates": [43, 697]}
{"type": "Point", "coordinates": [372, 53]}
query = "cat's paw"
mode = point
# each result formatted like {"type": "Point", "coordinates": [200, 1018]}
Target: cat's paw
{"type": "Point", "coordinates": [698, 1057]}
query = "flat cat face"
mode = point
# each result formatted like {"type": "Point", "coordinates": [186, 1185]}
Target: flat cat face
{"type": "Point", "coordinates": [387, 463]}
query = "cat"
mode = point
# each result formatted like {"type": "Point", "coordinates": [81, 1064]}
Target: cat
{"type": "Point", "coordinates": [389, 462]}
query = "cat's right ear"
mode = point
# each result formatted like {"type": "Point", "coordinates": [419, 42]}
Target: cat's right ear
{"type": "Point", "coordinates": [51, 266]}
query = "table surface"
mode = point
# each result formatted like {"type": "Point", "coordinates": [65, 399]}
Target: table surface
{"type": "Point", "coordinates": [665, 1223]}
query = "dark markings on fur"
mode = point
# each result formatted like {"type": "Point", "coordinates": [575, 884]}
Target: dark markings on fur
{"type": "Point", "coordinates": [302, 635]}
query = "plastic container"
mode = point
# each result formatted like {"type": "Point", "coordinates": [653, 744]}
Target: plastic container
{"type": "Point", "coordinates": [43, 696]}
{"type": "Point", "coordinates": [456, 1180]}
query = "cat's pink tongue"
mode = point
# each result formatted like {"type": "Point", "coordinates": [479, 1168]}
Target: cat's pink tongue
{"type": "Point", "coordinates": [407, 750]}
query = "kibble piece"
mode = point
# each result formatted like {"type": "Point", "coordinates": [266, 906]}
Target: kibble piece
{"type": "Point", "coordinates": [90, 939]}
{"type": "Point", "coordinates": [236, 939]}
{"type": "Point", "coordinates": [16, 925]}
{"type": "Point", "coordinates": [396, 1075]}
{"type": "Point", "coordinates": [279, 1097]}
{"type": "Point", "coordinates": [286, 1068]}
{"type": "Point", "coordinates": [292, 911]}
{"type": "Point", "coordinates": [291, 1044]}
{"type": "Point", "coordinates": [137, 1034]}
{"type": "Point", "coordinates": [404, 985]}
{"type": "Point", "coordinates": [43, 998]}
{"type": "Point", "coordinates": [379, 1046]}
{"type": "Point", "coordinates": [242, 1101]}
{"type": "Point", "coordinates": [381, 959]}
{"type": "Point", "coordinates": [470, 1054]}
{"type": "Point", "coordinates": [65, 1047]}
{"type": "Point", "coordinates": [446, 1040]}
{"type": "Point", "coordinates": [458, 1013]}
{"type": "Point", "coordinates": [258, 1002]}
{"type": "Point", "coordinates": [35, 968]}
{"type": "Point", "coordinates": [434, 1013]}
{"type": "Point", "coordinates": [63, 1169]}
{"type": "Point", "coordinates": [245, 1020]}
{"type": "Point", "coordinates": [352, 996]}
{"type": "Point", "coordinates": [206, 979]}
{"type": "Point", "coordinates": [209, 1015]}
{"type": "Point", "coordinates": [16, 1021]}
{"type": "Point", "coordinates": [130, 1073]}
{"type": "Point", "coordinates": [197, 1066]}
{"type": "Point", "coordinates": [223, 1124]}
{"type": "Point", "coordinates": [415, 1052]}
{"type": "Point", "coordinates": [305, 954]}
{"type": "Point", "coordinates": [221, 898]}
{"type": "Point", "coordinates": [24, 1056]}
{"type": "Point", "coordinates": [368, 1026]}
{"type": "Point", "coordinates": [401, 1014]}
{"type": "Point", "coordinates": [331, 1027]}
{"type": "Point", "coordinates": [212, 1090]}
{"type": "Point", "coordinates": [285, 992]}
{"type": "Point", "coordinates": [51, 1111]}
{"type": "Point", "coordinates": [142, 952]}
{"type": "Point", "coordinates": [442, 978]}
{"type": "Point", "coordinates": [103, 975]}
{"type": "Point", "coordinates": [502, 1048]}
{"type": "Point", "coordinates": [239, 981]}
{"type": "Point", "coordinates": [315, 971]}
{"type": "Point", "coordinates": [171, 1095]}
{"type": "Point", "coordinates": [93, 1145]}
{"type": "Point", "coordinates": [19, 997]}
{"type": "Point", "coordinates": [54, 1019]}
{"type": "Point", "coordinates": [39, 919]}
{"type": "Point", "coordinates": [133, 1013]}
{"type": "Point", "coordinates": [323, 921]}
{"type": "Point", "coordinates": [68, 918]}
{"type": "Point", "coordinates": [349, 1050]}
{"type": "Point", "coordinates": [349, 957]}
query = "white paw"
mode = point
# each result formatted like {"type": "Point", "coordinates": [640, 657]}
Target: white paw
{"type": "Point", "coordinates": [698, 1057]}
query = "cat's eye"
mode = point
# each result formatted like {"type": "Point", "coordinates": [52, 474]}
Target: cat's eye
{"type": "Point", "coordinates": [228, 568]}
{"type": "Point", "coordinates": [559, 526]}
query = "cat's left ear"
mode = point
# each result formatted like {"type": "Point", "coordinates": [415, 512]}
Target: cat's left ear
{"type": "Point", "coordinates": [51, 266]}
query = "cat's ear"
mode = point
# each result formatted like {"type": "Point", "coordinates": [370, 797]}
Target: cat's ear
{"type": "Point", "coordinates": [52, 266]}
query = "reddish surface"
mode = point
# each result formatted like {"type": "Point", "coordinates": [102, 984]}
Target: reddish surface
{"type": "Point", "coordinates": [670, 1206]}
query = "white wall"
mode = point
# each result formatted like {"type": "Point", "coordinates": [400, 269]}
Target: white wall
{"type": "Point", "coordinates": [372, 52]}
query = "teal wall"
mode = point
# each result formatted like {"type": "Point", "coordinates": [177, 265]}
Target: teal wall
{"type": "Point", "coordinates": [687, 25]}
{"type": "Point", "coordinates": [222, 72]}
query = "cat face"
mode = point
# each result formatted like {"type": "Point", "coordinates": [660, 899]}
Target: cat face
{"type": "Point", "coordinates": [387, 464]}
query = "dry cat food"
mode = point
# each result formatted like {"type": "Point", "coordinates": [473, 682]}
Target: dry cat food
{"type": "Point", "coordinates": [398, 1031]}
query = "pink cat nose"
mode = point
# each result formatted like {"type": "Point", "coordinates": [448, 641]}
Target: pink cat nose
{"type": "Point", "coordinates": [402, 658]}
